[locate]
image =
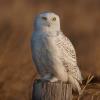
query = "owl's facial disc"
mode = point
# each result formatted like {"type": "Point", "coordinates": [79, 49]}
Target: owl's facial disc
{"type": "Point", "coordinates": [48, 21]}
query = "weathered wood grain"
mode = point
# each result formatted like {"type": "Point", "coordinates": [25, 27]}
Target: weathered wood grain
{"type": "Point", "coordinates": [51, 91]}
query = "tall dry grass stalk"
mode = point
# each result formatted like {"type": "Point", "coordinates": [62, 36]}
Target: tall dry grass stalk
{"type": "Point", "coordinates": [89, 79]}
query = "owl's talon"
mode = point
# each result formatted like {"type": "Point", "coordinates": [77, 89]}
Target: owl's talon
{"type": "Point", "coordinates": [54, 79]}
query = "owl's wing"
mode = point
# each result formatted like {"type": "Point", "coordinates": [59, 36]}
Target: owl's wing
{"type": "Point", "coordinates": [69, 57]}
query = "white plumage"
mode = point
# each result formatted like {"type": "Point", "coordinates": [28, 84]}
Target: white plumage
{"type": "Point", "coordinates": [53, 53]}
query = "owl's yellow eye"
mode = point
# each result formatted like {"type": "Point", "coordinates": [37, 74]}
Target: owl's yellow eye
{"type": "Point", "coordinates": [54, 19]}
{"type": "Point", "coordinates": [44, 18]}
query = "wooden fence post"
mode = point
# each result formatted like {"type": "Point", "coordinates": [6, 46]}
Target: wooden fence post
{"type": "Point", "coordinates": [51, 91]}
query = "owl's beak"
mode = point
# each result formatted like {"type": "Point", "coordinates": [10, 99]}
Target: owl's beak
{"type": "Point", "coordinates": [48, 24]}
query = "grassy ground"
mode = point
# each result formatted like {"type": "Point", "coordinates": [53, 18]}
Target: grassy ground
{"type": "Point", "coordinates": [92, 92]}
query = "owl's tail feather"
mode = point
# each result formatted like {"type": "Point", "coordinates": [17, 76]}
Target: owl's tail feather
{"type": "Point", "coordinates": [75, 84]}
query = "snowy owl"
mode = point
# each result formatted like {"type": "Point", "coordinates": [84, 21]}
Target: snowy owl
{"type": "Point", "coordinates": [53, 53]}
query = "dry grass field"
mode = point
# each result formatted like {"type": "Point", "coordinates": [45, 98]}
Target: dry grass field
{"type": "Point", "coordinates": [80, 20]}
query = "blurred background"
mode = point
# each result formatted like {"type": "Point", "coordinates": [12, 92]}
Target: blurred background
{"type": "Point", "coordinates": [80, 21]}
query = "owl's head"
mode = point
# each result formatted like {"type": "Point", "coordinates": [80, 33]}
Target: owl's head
{"type": "Point", "coordinates": [47, 21]}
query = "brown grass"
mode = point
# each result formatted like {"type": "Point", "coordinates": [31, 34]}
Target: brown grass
{"type": "Point", "coordinates": [90, 77]}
